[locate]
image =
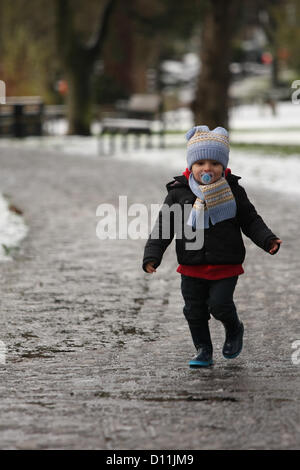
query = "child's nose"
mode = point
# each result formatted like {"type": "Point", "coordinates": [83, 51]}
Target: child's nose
{"type": "Point", "coordinates": [207, 167]}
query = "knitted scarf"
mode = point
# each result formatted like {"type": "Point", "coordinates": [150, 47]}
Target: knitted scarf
{"type": "Point", "coordinates": [214, 201]}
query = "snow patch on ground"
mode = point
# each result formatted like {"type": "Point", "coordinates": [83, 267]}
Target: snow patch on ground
{"type": "Point", "coordinates": [269, 171]}
{"type": "Point", "coordinates": [12, 230]}
{"type": "Point", "coordinates": [249, 124]}
{"type": "Point", "coordinates": [256, 169]}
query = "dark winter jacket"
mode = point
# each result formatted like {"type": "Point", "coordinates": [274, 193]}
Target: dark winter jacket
{"type": "Point", "coordinates": [223, 242]}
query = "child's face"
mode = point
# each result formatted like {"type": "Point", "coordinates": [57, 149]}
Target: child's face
{"type": "Point", "coordinates": [214, 168]}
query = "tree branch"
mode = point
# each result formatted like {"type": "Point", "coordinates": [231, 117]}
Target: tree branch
{"type": "Point", "coordinates": [95, 47]}
{"type": "Point", "coordinates": [65, 37]}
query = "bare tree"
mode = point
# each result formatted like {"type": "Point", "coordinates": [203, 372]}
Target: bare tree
{"type": "Point", "coordinates": [210, 106]}
{"type": "Point", "coordinates": [78, 60]}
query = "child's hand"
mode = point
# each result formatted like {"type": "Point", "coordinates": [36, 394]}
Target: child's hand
{"type": "Point", "coordinates": [150, 267]}
{"type": "Point", "coordinates": [274, 245]}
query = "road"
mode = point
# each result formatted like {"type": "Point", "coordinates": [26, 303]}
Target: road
{"type": "Point", "coordinates": [98, 351]}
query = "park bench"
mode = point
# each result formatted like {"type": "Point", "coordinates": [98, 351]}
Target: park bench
{"type": "Point", "coordinates": [52, 114]}
{"type": "Point", "coordinates": [138, 116]}
{"type": "Point", "coordinates": [21, 117]}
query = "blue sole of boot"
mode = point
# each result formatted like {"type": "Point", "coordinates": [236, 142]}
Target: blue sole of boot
{"type": "Point", "coordinates": [195, 364]}
{"type": "Point", "coordinates": [233, 356]}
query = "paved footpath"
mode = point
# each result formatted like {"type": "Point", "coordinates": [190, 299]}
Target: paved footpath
{"type": "Point", "coordinates": [98, 351]}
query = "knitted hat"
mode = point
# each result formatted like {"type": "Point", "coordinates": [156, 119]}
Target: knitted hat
{"type": "Point", "coordinates": [204, 144]}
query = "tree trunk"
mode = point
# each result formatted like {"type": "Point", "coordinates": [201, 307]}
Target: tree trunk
{"type": "Point", "coordinates": [78, 63]}
{"type": "Point", "coordinates": [211, 102]}
{"type": "Point", "coordinates": [79, 101]}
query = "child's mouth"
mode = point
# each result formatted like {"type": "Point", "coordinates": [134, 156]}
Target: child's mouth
{"type": "Point", "coordinates": [206, 178]}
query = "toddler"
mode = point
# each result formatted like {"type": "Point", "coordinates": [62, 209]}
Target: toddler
{"type": "Point", "coordinates": [219, 207]}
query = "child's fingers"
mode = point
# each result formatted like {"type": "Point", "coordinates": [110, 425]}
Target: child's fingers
{"type": "Point", "coordinates": [150, 268]}
{"type": "Point", "coordinates": [275, 246]}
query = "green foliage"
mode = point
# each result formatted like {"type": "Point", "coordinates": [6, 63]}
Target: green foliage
{"type": "Point", "coordinates": [276, 150]}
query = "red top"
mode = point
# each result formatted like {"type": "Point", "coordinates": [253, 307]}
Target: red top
{"type": "Point", "coordinates": [210, 271]}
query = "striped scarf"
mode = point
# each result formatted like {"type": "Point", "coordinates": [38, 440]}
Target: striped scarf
{"type": "Point", "coordinates": [215, 202]}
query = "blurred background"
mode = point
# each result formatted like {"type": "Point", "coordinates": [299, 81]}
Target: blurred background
{"type": "Point", "coordinates": [69, 65]}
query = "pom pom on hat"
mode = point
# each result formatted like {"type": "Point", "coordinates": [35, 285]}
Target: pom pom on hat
{"type": "Point", "coordinates": [204, 144]}
{"type": "Point", "coordinates": [192, 131]}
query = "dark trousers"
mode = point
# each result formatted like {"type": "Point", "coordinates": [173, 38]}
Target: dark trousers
{"type": "Point", "coordinates": [203, 298]}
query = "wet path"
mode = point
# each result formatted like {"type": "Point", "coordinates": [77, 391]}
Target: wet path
{"type": "Point", "coordinates": [92, 361]}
